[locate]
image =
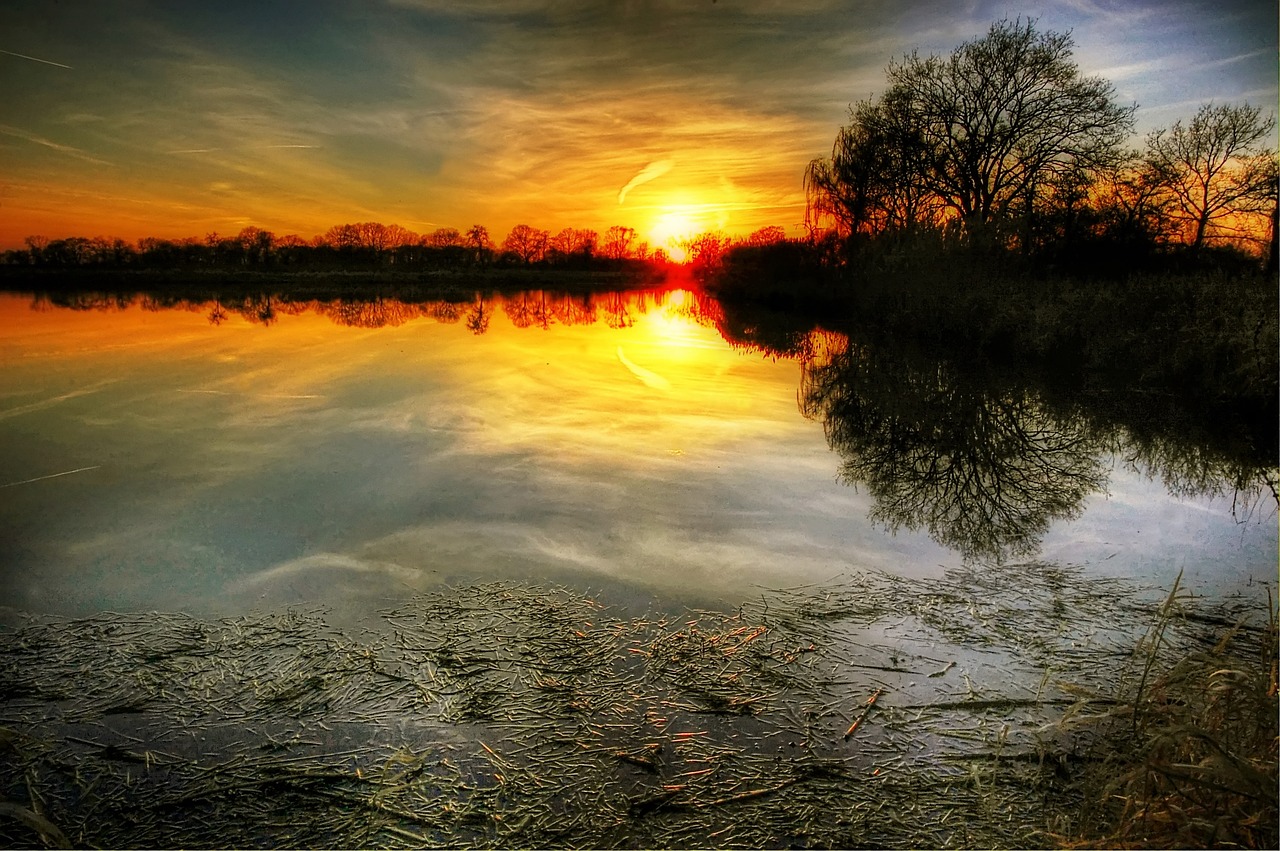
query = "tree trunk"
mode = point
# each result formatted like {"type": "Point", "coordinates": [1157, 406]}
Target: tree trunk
{"type": "Point", "coordinates": [1273, 261]}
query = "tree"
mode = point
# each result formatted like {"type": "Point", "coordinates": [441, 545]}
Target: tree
{"type": "Point", "coordinates": [1129, 203]}
{"type": "Point", "coordinates": [256, 244]}
{"type": "Point", "coordinates": [983, 131]}
{"type": "Point", "coordinates": [443, 238]}
{"type": "Point", "coordinates": [342, 237]}
{"type": "Point", "coordinates": [875, 179]}
{"type": "Point", "coordinates": [528, 243]}
{"type": "Point", "coordinates": [985, 473]}
{"type": "Point", "coordinates": [617, 242]}
{"type": "Point", "coordinates": [767, 236]}
{"type": "Point", "coordinates": [574, 241]}
{"type": "Point", "coordinates": [1214, 168]}
{"type": "Point", "coordinates": [479, 243]}
{"type": "Point", "coordinates": [705, 252]}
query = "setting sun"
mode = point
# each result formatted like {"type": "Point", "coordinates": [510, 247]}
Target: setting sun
{"type": "Point", "coordinates": [675, 225]}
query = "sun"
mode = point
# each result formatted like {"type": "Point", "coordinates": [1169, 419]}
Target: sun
{"type": "Point", "coordinates": [673, 226]}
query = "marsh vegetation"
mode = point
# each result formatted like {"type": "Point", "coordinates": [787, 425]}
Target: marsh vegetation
{"type": "Point", "coordinates": [868, 712]}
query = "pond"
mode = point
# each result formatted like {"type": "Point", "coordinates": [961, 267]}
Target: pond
{"type": "Point", "coordinates": [217, 457]}
{"type": "Point", "coordinates": [618, 569]}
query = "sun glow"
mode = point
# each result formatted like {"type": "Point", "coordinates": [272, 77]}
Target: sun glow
{"type": "Point", "coordinates": [675, 225]}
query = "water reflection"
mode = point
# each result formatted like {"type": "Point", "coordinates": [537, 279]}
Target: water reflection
{"type": "Point", "coordinates": [985, 471]}
{"type": "Point", "coordinates": [606, 431]}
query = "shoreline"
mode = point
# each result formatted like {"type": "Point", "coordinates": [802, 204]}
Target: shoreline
{"type": "Point", "coordinates": [513, 715]}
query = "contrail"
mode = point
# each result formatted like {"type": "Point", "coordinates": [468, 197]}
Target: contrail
{"type": "Point", "coordinates": [40, 140]}
{"type": "Point", "coordinates": [34, 59]}
{"type": "Point", "coordinates": [51, 476]}
{"type": "Point", "coordinates": [651, 171]}
{"type": "Point", "coordinates": [257, 395]}
{"type": "Point", "coordinates": [259, 147]}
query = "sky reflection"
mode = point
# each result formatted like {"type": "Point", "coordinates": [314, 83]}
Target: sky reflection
{"type": "Point", "coordinates": [231, 465]}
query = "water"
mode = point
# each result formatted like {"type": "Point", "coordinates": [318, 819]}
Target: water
{"type": "Point", "coordinates": [218, 459]}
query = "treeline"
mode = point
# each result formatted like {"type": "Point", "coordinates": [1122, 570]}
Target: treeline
{"type": "Point", "coordinates": [362, 245]}
{"type": "Point", "coordinates": [1004, 148]}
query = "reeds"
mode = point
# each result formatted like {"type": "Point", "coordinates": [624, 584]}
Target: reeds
{"type": "Point", "coordinates": [871, 712]}
{"type": "Point", "coordinates": [1190, 758]}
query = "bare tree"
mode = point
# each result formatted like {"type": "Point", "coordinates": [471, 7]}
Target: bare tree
{"type": "Point", "coordinates": [1002, 115]}
{"type": "Point", "coordinates": [479, 243]}
{"type": "Point", "coordinates": [767, 235]}
{"type": "Point", "coordinates": [528, 243]}
{"type": "Point", "coordinates": [1213, 168]}
{"type": "Point", "coordinates": [617, 242]}
{"type": "Point", "coordinates": [876, 178]}
{"type": "Point", "coordinates": [443, 238]}
{"type": "Point", "coordinates": [574, 241]}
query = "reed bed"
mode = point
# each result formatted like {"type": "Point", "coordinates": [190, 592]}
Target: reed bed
{"type": "Point", "coordinates": [867, 712]}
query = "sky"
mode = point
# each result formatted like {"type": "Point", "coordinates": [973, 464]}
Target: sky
{"type": "Point", "coordinates": [175, 118]}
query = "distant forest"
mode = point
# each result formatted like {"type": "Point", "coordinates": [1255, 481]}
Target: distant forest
{"type": "Point", "coordinates": [373, 245]}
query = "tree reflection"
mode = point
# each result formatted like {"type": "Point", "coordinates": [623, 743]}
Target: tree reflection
{"type": "Point", "coordinates": [444, 312]}
{"type": "Point", "coordinates": [478, 316]}
{"type": "Point", "coordinates": [985, 472]}
{"type": "Point", "coordinates": [574, 310]}
{"type": "Point", "coordinates": [373, 312]}
{"type": "Point", "coordinates": [528, 309]}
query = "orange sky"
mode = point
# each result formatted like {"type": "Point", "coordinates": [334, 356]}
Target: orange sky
{"type": "Point", "coordinates": [137, 117]}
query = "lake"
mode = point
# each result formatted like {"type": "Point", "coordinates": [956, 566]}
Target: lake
{"type": "Point", "coordinates": [617, 569]}
{"type": "Point", "coordinates": [222, 457]}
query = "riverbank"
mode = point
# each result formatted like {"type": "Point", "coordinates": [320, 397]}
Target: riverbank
{"type": "Point", "coordinates": [870, 713]}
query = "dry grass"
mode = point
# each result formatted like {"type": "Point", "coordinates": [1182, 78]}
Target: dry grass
{"type": "Point", "coordinates": [872, 712]}
{"type": "Point", "coordinates": [1191, 758]}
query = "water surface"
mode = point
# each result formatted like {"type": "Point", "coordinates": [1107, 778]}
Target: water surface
{"type": "Point", "coordinates": [217, 457]}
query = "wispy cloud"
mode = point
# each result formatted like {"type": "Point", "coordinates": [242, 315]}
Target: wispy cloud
{"type": "Point", "coordinates": [242, 147]}
{"type": "Point", "coordinates": [40, 140]}
{"type": "Point", "coordinates": [36, 59]}
{"type": "Point", "coordinates": [652, 171]}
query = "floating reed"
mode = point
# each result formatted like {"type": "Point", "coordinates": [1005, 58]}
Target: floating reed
{"type": "Point", "coordinates": [504, 715]}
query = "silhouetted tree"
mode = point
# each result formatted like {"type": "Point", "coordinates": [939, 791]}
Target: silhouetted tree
{"type": "Point", "coordinates": [1214, 168]}
{"type": "Point", "coordinates": [527, 243]}
{"type": "Point", "coordinates": [342, 237]}
{"type": "Point", "coordinates": [443, 238]}
{"type": "Point", "coordinates": [1130, 204]}
{"type": "Point", "coordinates": [983, 131]}
{"type": "Point", "coordinates": [256, 245]}
{"type": "Point", "coordinates": [705, 251]}
{"type": "Point", "coordinates": [573, 243]}
{"type": "Point", "coordinates": [616, 244]}
{"type": "Point", "coordinates": [479, 316]}
{"type": "Point", "coordinates": [766, 236]}
{"type": "Point", "coordinates": [875, 179]}
{"type": "Point", "coordinates": [479, 243]}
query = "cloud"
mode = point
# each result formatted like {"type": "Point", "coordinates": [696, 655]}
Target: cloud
{"type": "Point", "coordinates": [652, 171]}
{"type": "Point", "coordinates": [34, 59]}
{"type": "Point", "coordinates": [40, 140]}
